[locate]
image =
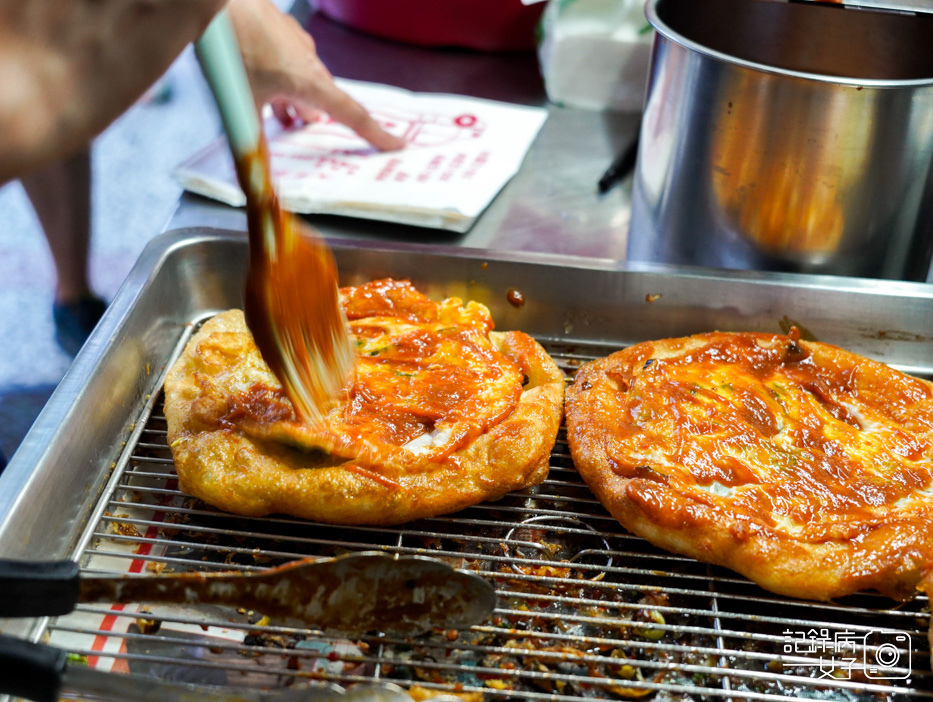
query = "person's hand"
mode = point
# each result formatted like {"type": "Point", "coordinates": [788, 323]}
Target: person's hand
{"type": "Point", "coordinates": [69, 67]}
{"type": "Point", "coordinates": [284, 70]}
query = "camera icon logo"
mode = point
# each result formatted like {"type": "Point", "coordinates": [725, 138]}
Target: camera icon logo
{"type": "Point", "coordinates": [887, 655]}
{"type": "Point", "coordinates": [878, 655]}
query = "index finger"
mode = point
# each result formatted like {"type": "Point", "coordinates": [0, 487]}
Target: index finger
{"type": "Point", "coordinates": [348, 111]}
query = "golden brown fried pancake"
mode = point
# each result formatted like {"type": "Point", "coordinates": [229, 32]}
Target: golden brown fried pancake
{"type": "Point", "coordinates": [802, 466]}
{"type": "Point", "coordinates": [443, 413]}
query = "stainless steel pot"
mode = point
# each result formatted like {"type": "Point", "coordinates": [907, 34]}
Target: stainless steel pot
{"type": "Point", "coordinates": [787, 136]}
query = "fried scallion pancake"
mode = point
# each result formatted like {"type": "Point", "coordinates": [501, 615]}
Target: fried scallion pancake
{"type": "Point", "coordinates": [804, 467]}
{"type": "Point", "coordinates": [442, 413]}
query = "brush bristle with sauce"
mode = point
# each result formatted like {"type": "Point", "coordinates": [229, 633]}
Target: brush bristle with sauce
{"type": "Point", "coordinates": [291, 299]}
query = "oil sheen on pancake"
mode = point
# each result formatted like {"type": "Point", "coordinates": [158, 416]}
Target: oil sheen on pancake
{"type": "Point", "coordinates": [800, 465]}
{"type": "Point", "coordinates": [442, 413]}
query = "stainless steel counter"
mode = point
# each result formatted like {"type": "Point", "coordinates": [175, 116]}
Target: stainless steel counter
{"type": "Point", "coordinates": [551, 205]}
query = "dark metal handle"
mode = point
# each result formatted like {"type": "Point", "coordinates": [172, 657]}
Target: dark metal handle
{"type": "Point", "coordinates": [29, 670]}
{"type": "Point", "coordinates": [36, 589]}
{"type": "Point", "coordinates": [621, 166]}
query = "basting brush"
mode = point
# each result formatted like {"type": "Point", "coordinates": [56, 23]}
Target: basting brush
{"type": "Point", "coordinates": [291, 299]}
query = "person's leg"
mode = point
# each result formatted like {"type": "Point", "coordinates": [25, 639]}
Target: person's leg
{"type": "Point", "coordinates": [61, 196]}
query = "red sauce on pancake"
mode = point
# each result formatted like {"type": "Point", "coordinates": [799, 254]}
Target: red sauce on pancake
{"type": "Point", "coordinates": [722, 426]}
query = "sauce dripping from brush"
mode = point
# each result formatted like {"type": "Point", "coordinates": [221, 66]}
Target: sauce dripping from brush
{"type": "Point", "coordinates": [291, 300]}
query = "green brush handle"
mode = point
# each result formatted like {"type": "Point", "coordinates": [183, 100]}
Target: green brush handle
{"type": "Point", "coordinates": [219, 55]}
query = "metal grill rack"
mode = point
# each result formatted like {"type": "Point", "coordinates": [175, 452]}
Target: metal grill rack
{"type": "Point", "coordinates": [586, 610]}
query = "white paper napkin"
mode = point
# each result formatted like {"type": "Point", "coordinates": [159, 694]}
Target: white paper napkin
{"type": "Point", "coordinates": [461, 152]}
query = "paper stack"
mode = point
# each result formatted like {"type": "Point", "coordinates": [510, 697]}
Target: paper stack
{"type": "Point", "coordinates": [461, 151]}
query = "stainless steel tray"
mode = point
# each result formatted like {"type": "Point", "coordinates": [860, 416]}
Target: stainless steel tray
{"type": "Point", "coordinates": [94, 476]}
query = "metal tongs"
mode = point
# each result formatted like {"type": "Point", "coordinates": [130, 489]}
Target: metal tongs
{"type": "Point", "coordinates": [351, 594]}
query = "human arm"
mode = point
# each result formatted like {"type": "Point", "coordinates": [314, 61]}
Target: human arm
{"type": "Point", "coordinates": [69, 67]}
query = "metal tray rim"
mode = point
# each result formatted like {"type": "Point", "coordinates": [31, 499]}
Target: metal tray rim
{"type": "Point", "coordinates": [34, 488]}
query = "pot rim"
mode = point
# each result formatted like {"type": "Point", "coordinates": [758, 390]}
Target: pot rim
{"type": "Point", "coordinates": [664, 30]}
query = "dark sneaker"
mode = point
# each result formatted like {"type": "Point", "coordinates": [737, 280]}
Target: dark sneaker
{"type": "Point", "coordinates": [74, 321]}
